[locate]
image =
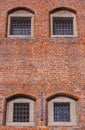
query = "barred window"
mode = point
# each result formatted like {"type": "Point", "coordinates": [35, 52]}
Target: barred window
{"type": "Point", "coordinates": [20, 23]}
{"type": "Point", "coordinates": [21, 112]}
{"type": "Point", "coordinates": [20, 26]}
{"type": "Point", "coordinates": [63, 23]}
{"type": "Point", "coordinates": [62, 112]}
{"type": "Point", "coordinates": [62, 26]}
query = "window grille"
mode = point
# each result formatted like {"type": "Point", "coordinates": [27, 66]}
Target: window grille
{"type": "Point", "coordinates": [20, 26]}
{"type": "Point", "coordinates": [21, 112]}
{"type": "Point", "coordinates": [62, 26]}
{"type": "Point", "coordinates": [61, 112]}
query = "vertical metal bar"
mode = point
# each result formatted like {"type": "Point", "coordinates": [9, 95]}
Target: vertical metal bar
{"type": "Point", "coordinates": [41, 106]}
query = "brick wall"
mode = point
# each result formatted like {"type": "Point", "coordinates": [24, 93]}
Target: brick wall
{"type": "Point", "coordinates": [42, 63]}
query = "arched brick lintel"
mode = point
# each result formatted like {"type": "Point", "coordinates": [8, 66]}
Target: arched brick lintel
{"type": "Point", "coordinates": [18, 95]}
{"type": "Point", "coordinates": [63, 8]}
{"type": "Point", "coordinates": [20, 8]}
{"type": "Point", "coordinates": [62, 94]}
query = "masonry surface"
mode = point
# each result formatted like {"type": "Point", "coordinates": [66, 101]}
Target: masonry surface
{"type": "Point", "coordinates": [29, 66]}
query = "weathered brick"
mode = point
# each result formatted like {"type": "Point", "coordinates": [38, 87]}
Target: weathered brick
{"type": "Point", "coordinates": [42, 63]}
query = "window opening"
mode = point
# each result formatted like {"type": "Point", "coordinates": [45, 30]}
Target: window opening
{"type": "Point", "coordinates": [62, 26]}
{"type": "Point", "coordinates": [21, 112]}
{"type": "Point", "coordinates": [20, 26]}
{"type": "Point", "coordinates": [61, 112]}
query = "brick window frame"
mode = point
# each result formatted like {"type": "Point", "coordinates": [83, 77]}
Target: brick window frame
{"type": "Point", "coordinates": [73, 112]}
{"type": "Point", "coordinates": [23, 15]}
{"type": "Point", "coordinates": [64, 14]}
{"type": "Point", "coordinates": [9, 112]}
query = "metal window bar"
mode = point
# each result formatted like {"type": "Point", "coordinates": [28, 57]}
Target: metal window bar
{"type": "Point", "coordinates": [41, 106]}
{"type": "Point", "coordinates": [21, 112]}
{"type": "Point", "coordinates": [62, 26]}
{"type": "Point", "coordinates": [20, 26]}
{"type": "Point", "coordinates": [61, 112]}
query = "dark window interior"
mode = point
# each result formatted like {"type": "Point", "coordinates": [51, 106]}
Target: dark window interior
{"type": "Point", "coordinates": [20, 26]}
{"type": "Point", "coordinates": [21, 112]}
{"type": "Point", "coordinates": [62, 26]}
{"type": "Point", "coordinates": [61, 112]}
